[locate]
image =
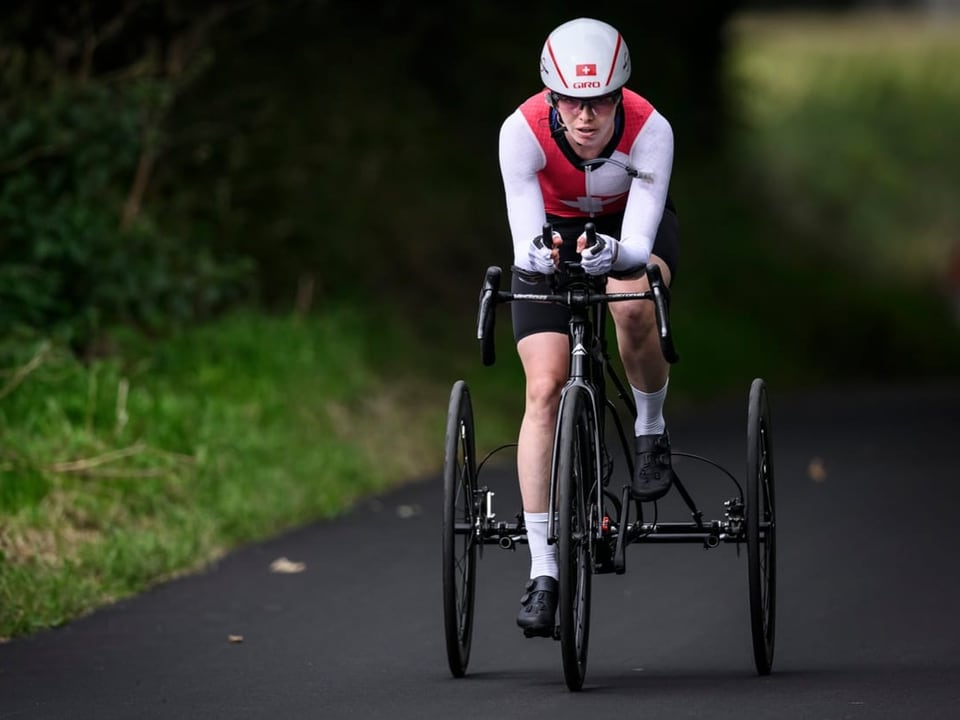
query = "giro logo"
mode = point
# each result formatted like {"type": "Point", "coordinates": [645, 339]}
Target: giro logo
{"type": "Point", "coordinates": [586, 70]}
{"type": "Point", "coordinates": [586, 84]}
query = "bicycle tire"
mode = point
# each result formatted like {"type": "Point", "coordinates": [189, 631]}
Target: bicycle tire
{"type": "Point", "coordinates": [575, 470]}
{"type": "Point", "coordinates": [460, 508]}
{"type": "Point", "coordinates": [761, 516]}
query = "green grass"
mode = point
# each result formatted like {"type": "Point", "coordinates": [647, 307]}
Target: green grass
{"type": "Point", "coordinates": [120, 473]}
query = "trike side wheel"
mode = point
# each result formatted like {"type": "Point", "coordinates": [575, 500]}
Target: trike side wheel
{"type": "Point", "coordinates": [761, 527]}
{"type": "Point", "coordinates": [460, 539]}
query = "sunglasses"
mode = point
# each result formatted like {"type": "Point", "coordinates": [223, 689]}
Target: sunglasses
{"type": "Point", "coordinates": [597, 105]}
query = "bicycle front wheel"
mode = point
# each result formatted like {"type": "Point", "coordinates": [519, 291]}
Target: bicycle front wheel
{"type": "Point", "coordinates": [761, 527]}
{"type": "Point", "coordinates": [575, 471]}
{"type": "Point", "coordinates": [460, 541]}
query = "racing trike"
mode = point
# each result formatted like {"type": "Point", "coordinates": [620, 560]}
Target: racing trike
{"type": "Point", "coordinates": [592, 525]}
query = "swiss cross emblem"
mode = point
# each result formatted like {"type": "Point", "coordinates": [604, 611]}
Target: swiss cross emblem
{"type": "Point", "coordinates": [586, 70]}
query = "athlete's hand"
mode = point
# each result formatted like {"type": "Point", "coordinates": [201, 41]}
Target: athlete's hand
{"type": "Point", "coordinates": [598, 260]}
{"type": "Point", "coordinates": [545, 257]}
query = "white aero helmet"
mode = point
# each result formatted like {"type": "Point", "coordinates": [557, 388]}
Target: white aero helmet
{"type": "Point", "coordinates": [584, 58]}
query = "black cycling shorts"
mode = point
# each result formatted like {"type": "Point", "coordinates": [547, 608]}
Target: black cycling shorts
{"type": "Point", "coordinates": [534, 317]}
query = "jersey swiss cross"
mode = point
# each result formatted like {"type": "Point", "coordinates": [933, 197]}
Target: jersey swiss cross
{"type": "Point", "coordinates": [569, 191]}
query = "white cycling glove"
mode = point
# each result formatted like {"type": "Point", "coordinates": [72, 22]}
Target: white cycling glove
{"type": "Point", "coordinates": [599, 259]}
{"type": "Point", "coordinates": [540, 254]}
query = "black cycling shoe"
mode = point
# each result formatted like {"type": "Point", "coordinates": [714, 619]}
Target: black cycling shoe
{"type": "Point", "coordinates": [538, 606]}
{"type": "Point", "coordinates": [653, 474]}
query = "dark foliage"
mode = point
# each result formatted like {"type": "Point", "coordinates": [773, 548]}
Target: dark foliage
{"type": "Point", "coordinates": [338, 145]}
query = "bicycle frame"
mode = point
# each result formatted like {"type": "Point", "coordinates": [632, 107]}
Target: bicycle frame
{"type": "Point", "coordinates": [589, 361]}
{"type": "Point", "coordinates": [585, 296]}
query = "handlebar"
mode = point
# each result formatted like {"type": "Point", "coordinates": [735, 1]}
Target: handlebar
{"type": "Point", "coordinates": [589, 229]}
{"type": "Point", "coordinates": [661, 307]}
{"type": "Point", "coordinates": [573, 288]}
{"type": "Point", "coordinates": [487, 316]}
{"type": "Point", "coordinates": [592, 240]}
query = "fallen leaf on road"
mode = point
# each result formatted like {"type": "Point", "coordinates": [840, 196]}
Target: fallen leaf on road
{"type": "Point", "coordinates": [284, 566]}
{"type": "Point", "coordinates": [407, 511]}
{"type": "Point", "coordinates": [816, 470]}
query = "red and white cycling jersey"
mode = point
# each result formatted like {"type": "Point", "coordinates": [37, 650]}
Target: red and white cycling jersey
{"type": "Point", "coordinates": [539, 178]}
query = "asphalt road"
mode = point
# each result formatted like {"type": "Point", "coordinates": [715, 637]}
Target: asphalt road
{"type": "Point", "coordinates": [868, 486]}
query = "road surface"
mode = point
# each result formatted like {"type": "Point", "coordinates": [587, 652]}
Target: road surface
{"type": "Point", "coordinates": [868, 490]}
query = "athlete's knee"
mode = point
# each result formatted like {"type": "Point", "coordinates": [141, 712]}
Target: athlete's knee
{"type": "Point", "coordinates": [634, 319]}
{"type": "Point", "coordinates": [543, 392]}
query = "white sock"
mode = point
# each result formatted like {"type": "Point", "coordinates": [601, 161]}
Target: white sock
{"type": "Point", "coordinates": [650, 411]}
{"type": "Point", "coordinates": [543, 557]}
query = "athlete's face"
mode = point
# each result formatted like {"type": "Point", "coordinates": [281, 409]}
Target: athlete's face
{"type": "Point", "coordinates": [589, 122]}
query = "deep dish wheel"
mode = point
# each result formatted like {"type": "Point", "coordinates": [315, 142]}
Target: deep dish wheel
{"type": "Point", "coordinates": [761, 527]}
{"type": "Point", "coordinates": [460, 541]}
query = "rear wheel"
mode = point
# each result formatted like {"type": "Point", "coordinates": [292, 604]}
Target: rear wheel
{"type": "Point", "coordinates": [460, 540]}
{"type": "Point", "coordinates": [761, 527]}
{"type": "Point", "coordinates": [575, 473]}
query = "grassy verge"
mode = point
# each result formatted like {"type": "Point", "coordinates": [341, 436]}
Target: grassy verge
{"type": "Point", "coordinates": [119, 473]}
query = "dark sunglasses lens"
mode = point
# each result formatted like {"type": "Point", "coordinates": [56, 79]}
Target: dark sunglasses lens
{"type": "Point", "coordinates": [569, 104]}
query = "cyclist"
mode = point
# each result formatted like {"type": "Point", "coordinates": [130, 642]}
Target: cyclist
{"type": "Point", "coordinates": [545, 148]}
